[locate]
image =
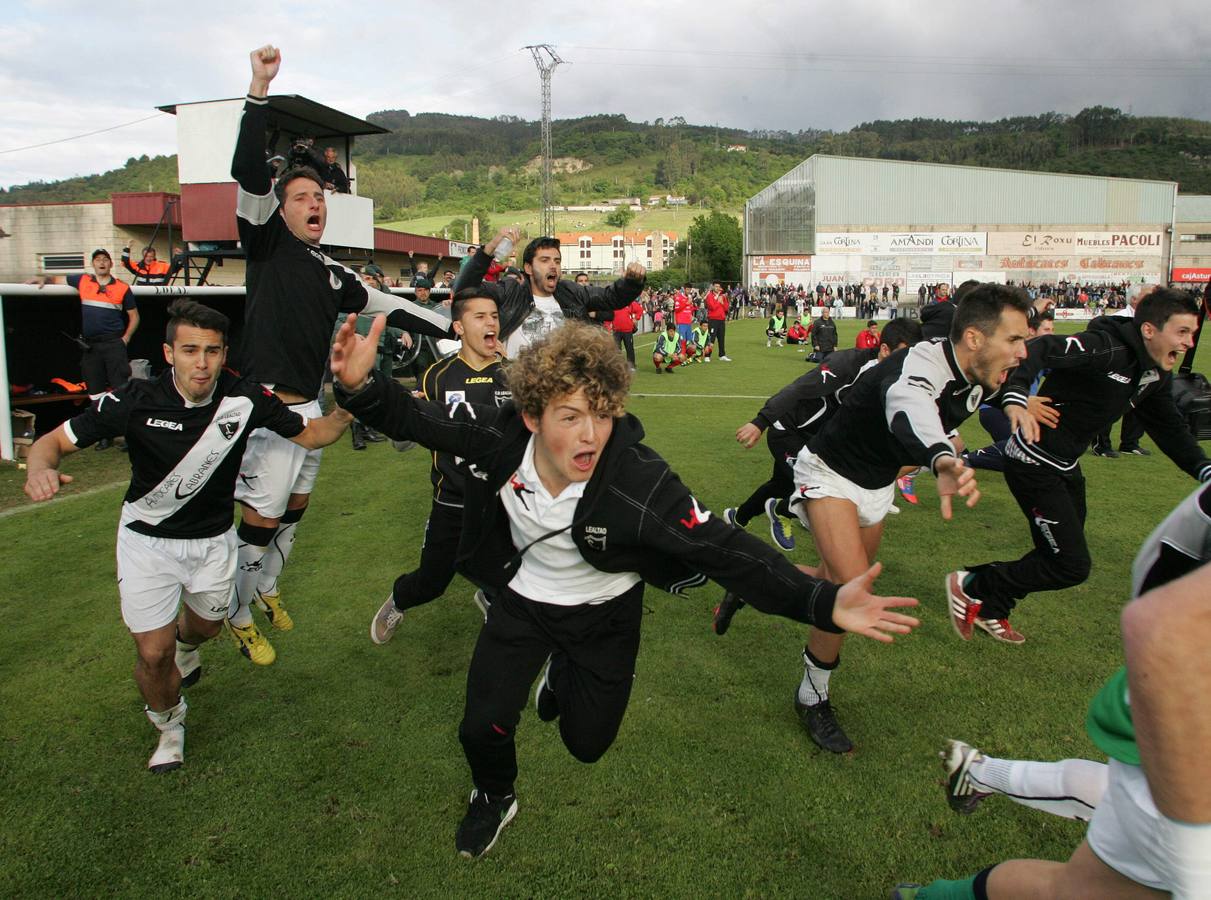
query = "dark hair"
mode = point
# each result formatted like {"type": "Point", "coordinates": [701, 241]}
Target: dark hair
{"type": "Point", "coordinates": [981, 308]}
{"type": "Point", "coordinates": [101, 252]}
{"type": "Point", "coordinates": [465, 296]}
{"type": "Point", "coordinates": [539, 243]}
{"type": "Point", "coordinates": [873, 322]}
{"type": "Point", "coordinates": [1159, 305]}
{"type": "Point", "coordinates": [585, 274]}
{"type": "Point", "coordinates": [291, 174]}
{"type": "Point", "coordinates": [964, 289]}
{"type": "Point", "coordinates": [901, 331]}
{"type": "Point", "coordinates": [149, 249]}
{"type": "Point", "coordinates": [191, 312]}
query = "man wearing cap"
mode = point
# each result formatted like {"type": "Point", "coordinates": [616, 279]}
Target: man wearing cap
{"type": "Point", "coordinates": [109, 318]}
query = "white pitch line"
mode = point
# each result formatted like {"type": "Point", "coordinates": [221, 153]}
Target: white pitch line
{"type": "Point", "coordinates": [705, 396]}
{"type": "Point", "coordinates": [62, 498]}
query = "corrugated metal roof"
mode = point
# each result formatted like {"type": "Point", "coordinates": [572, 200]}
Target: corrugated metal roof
{"type": "Point", "coordinates": [863, 192]}
{"type": "Point", "coordinates": [1193, 208]}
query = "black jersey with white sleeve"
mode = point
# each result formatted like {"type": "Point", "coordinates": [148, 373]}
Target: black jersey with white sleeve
{"type": "Point", "coordinates": [900, 413]}
{"type": "Point", "coordinates": [295, 291]}
{"type": "Point", "coordinates": [184, 456]}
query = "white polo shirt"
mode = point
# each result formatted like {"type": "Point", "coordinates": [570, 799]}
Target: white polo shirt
{"type": "Point", "coordinates": [552, 570]}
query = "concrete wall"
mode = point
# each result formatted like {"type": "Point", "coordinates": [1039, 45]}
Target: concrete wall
{"type": "Point", "coordinates": [64, 228]}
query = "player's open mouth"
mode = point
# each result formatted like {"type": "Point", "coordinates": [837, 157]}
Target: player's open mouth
{"type": "Point", "coordinates": [490, 338]}
{"type": "Point", "coordinates": [313, 222]}
{"type": "Point", "coordinates": [585, 461]}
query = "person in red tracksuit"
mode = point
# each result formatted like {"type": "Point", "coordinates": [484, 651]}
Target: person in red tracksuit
{"type": "Point", "coordinates": [683, 312]}
{"type": "Point", "coordinates": [869, 337]}
{"type": "Point", "coordinates": [624, 329]}
{"type": "Point", "coordinates": [716, 317]}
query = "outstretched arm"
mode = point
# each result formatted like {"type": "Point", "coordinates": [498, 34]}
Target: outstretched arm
{"type": "Point", "coordinates": [42, 479]}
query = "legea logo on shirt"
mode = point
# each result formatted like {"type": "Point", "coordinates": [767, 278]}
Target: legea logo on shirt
{"type": "Point", "coordinates": [164, 423]}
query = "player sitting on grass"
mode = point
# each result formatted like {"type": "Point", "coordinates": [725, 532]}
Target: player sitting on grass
{"type": "Point", "coordinates": [668, 352]}
{"type": "Point", "coordinates": [699, 347]}
{"type": "Point", "coordinates": [1149, 808]}
{"type": "Point", "coordinates": [186, 431]}
{"type": "Point", "coordinates": [571, 517]}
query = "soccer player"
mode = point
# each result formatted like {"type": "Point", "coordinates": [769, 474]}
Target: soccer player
{"type": "Point", "coordinates": [295, 294]}
{"type": "Point", "coordinates": [899, 415]}
{"type": "Point", "coordinates": [542, 300]}
{"type": "Point", "coordinates": [775, 328]}
{"type": "Point", "coordinates": [796, 334]}
{"type": "Point", "coordinates": [473, 375]}
{"type": "Point", "coordinates": [573, 516]}
{"type": "Point", "coordinates": [1149, 809]}
{"type": "Point", "coordinates": [1094, 377]}
{"type": "Point", "coordinates": [667, 353]}
{"type": "Point", "coordinates": [623, 326]}
{"type": "Point", "coordinates": [186, 431]}
{"type": "Point", "coordinates": [794, 415]}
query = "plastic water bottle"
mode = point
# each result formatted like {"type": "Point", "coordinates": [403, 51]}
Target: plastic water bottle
{"type": "Point", "coordinates": [503, 249]}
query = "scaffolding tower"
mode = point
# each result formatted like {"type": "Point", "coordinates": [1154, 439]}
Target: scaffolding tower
{"type": "Point", "coordinates": [546, 59]}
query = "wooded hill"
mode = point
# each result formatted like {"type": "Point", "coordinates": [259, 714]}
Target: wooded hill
{"type": "Point", "coordinates": [434, 163]}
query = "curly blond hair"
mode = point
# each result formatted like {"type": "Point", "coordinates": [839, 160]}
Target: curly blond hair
{"type": "Point", "coordinates": [574, 356]}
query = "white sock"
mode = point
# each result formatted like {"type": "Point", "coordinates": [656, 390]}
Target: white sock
{"type": "Point", "coordinates": [814, 687]}
{"type": "Point", "coordinates": [170, 717]}
{"type": "Point", "coordinates": [1071, 788]}
{"type": "Point", "coordinates": [276, 556]}
{"type": "Point", "coordinates": [247, 574]}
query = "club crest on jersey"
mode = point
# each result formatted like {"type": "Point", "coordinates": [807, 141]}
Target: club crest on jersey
{"type": "Point", "coordinates": [502, 396]}
{"type": "Point", "coordinates": [974, 398]}
{"type": "Point", "coordinates": [229, 425]}
{"type": "Point", "coordinates": [336, 283]}
{"type": "Point", "coordinates": [595, 537]}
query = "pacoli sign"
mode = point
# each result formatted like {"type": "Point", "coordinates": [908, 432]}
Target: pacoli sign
{"type": "Point", "coordinates": [1068, 243]}
{"type": "Point", "coordinates": [888, 243]}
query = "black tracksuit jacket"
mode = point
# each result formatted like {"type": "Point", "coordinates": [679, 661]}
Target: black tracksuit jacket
{"type": "Point", "coordinates": [635, 515]}
{"type": "Point", "coordinates": [1094, 377]}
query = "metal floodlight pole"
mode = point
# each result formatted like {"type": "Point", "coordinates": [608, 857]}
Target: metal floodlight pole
{"type": "Point", "coordinates": [546, 59]}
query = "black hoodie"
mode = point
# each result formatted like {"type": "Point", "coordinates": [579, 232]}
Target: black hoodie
{"type": "Point", "coordinates": [635, 514]}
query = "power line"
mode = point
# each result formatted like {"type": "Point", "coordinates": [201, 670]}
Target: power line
{"type": "Point", "coordinates": [77, 137]}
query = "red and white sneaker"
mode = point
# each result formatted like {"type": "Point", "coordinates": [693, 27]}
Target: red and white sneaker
{"type": "Point", "coordinates": [963, 609]}
{"type": "Point", "coordinates": [1001, 630]}
{"type": "Point", "coordinates": [908, 488]}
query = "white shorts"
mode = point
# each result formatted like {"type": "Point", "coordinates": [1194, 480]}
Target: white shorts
{"type": "Point", "coordinates": [155, 574]}
{"type": "Point", "coordinates": [814, 480]}
{"type": "Point", "coordinates": [273, 467]}
{"type": "Point", "coordinates": [1127, 832]}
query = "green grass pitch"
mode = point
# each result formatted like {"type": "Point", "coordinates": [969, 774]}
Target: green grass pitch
{"type": "Point", "coordinates": [337, 771]}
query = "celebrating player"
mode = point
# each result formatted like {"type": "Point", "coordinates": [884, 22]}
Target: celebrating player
{"type": "Point", "coordinates": [473, 375]}
{"type": "Point", "coordinates": [186, 431]}
{"type": "Point", "coordinates": [1149, 809]}
{"type": "Point", "coordinates": [572, 517]}
{"type": "Point", "coordinates": [900, 414]}
{"type": "Point", "coordinates": [1095, 376]}
{"type": "Point", "coordinates": [295, 293]}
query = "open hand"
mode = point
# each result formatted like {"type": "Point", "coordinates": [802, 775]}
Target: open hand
{"type": "Point", "coordinates": [956, 477]}
{"type": "Point", "coordinates": [353, 356]}
{"type": "Point", "coordinates": [859, 611]}
{"type": "Point", "coordinates": [1021, 420]}
{"type": "Point", "coordinates": [1042, 411]}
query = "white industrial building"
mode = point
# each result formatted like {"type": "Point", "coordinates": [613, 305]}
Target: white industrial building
{"type": "Point", "coordinates": [840, 220]}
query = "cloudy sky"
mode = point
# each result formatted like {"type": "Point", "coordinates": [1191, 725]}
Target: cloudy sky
{"type": "Point", "coordinates": [68, 68]}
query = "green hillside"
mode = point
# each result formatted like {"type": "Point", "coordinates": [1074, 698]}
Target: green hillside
{"type": "Point", "coordinates": [438, 168]}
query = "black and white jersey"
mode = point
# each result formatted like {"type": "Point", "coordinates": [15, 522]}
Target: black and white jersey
{"type": "Point", "coordinates": [1093, 378]}
{"type": "Point", "coordinates": [1178, 546]}
{"type": "Point", "coordinates": [806, 403]}
{"type": "Point", "coordinates": [184, 456]}
{"type": "Point", "coordinates": [452, 381]}
{"type": "Point", "coordinates": [295, 290]}
{"type": "Point", "coordinates": [900, 413]}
